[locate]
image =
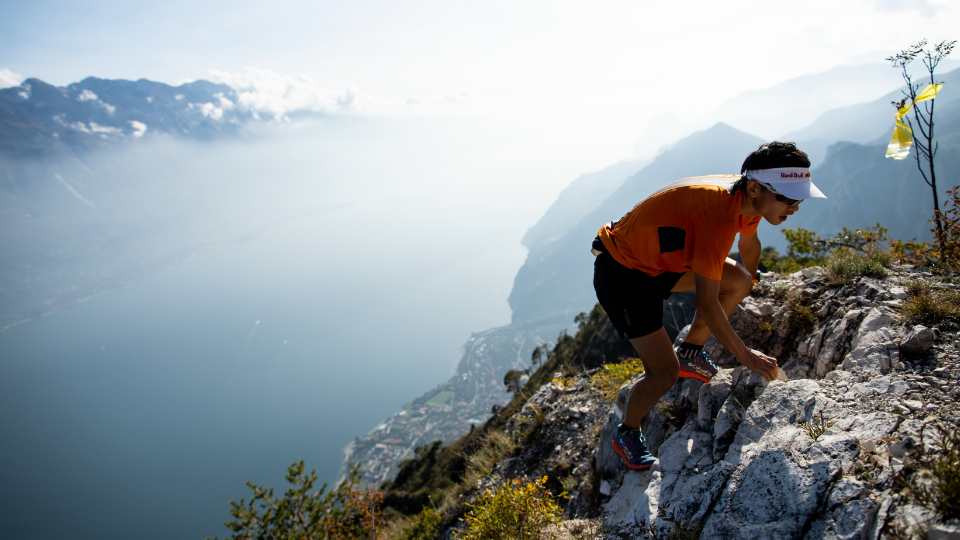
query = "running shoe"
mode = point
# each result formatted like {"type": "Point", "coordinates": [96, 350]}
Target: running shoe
{"type": "Point", "coordinates": [633, 448]}
{"type": "Point", "coordinates": [700, 367]}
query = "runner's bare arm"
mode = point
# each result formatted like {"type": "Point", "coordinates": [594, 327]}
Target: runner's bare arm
{"type": "Point", "coordinates": [750, 250]}
{"type": "Point", "coordinates": [708, 306]}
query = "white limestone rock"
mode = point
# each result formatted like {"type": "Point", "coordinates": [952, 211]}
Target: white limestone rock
{"type": "Point", "coordinates": [771, 497]}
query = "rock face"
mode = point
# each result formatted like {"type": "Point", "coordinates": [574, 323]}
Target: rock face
{"type": "Point", "coordinates": [811, 455]}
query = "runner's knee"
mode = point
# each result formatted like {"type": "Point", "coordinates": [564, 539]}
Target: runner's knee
{"type": "Point", "coordinates": [665, 377]}
{"type": "Point", "coordinates": [736, 280]}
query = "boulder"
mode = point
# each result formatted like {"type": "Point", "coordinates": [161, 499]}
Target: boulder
{"type": "Point", "coordinates": [917, 342]}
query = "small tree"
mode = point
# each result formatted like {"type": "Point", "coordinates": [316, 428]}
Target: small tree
{"type": "Point", "coordinates": [513, 380]}
{"type": "Point", "coordinates": [539, 355]}
{"type": "Point", "coordinates": [344, 513]}
{"type": "Point", "coordinates": [922, 114]}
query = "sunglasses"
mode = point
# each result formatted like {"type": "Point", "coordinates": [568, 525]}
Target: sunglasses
{"type": "Point", "coordinates": [786, 201]}
{"type": "Point", "coordinates": [781, 198]}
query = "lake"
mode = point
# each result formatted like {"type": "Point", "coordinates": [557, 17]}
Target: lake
{"type": "Point", "coordinates": [142, 412]}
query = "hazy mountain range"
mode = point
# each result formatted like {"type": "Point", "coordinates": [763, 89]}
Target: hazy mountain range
{"type": "Point", "coordinates": [779, 111]}
{"type": "Point", "coordinates": [863, 188]}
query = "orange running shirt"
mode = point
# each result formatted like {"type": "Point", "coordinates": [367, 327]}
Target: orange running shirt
{"type": "Point", "coordinates": [687, 225]}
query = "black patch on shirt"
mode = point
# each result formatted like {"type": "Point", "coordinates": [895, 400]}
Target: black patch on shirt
{"type": "Point", "coordinates": [671, 238]}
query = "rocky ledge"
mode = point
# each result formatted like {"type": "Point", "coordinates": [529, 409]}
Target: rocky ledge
{"type": "Point", "coordinates": [819, 453]}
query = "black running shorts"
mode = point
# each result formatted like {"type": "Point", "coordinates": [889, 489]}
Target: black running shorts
{"type": "Point", "coordinates": [632, 299]}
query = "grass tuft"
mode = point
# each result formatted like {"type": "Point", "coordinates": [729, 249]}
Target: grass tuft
{"type": "Point", "coordinates": [842, 267]}
{"type": "Point", "coordinates": [936, 483]}
{"type": "Point", "coordinates": [929, 306]}
{"type": "Point", "coordinates": [801, 317]}
{"type": "Point", "coordinates": [496, 447]}
{"type": "Point", "coordinates": [817, 426]}
{"type": "Point", "coordinates": [781, 289]}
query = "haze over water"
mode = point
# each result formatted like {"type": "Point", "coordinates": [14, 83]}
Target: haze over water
{"type": "Point", "coordinates": [143, 411]}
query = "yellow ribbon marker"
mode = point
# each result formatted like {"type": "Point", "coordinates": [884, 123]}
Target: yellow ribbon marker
{"type": "Point", "coordinates": [902, 139]}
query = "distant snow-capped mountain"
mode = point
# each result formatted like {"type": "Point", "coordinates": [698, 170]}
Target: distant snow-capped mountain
{"type": "Point", "coordinates": [38, 118]}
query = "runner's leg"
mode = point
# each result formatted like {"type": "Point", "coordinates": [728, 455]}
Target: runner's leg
{"type": "Point", "coordinates": [661, 372]}
{"type": "Point", "coordinates": [735, 285]}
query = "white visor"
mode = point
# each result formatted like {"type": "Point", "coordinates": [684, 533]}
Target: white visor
{"type": "Point", "coordinates": [791, 182]}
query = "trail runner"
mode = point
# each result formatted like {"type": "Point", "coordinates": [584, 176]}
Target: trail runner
{"type": "Point", "coordinates": [678, 239]}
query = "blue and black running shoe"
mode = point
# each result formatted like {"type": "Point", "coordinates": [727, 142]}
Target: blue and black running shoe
{"type": "Point", "coordinates": [631, 446]}
{"type": "Point", "coordinates": [700, 366]}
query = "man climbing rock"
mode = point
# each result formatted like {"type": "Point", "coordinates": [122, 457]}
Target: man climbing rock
{"type": "Point", "coordinates": [678, 239]}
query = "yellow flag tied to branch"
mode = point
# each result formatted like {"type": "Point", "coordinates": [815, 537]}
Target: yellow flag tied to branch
{"type": "Point", "coordinates": [902, 139]}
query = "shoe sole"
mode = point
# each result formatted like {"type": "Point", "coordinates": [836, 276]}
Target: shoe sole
{"type": "Point", "coordinates": [627, 461]}
{"type": "Point", "coordinates": [694, 375]}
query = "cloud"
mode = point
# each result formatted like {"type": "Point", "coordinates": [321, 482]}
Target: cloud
{"type": "Point", "coordinates": [87, 95]}
{"type": "Point", "coordinates": [266, 93]}
{"type": "Point", "coordinates": [139, 128]}
{"type": "Point", "coordinates": [225, 103]}
{"type": "Point", "coordinates": [92, 128]}
{"type": "Point", "coordinates": [208, 110]}
{"type": "Point", "coordinates": [9, 78]}
{"type": "Point", "coordinates": [104, 131]}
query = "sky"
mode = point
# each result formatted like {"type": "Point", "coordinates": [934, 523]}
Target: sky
{"type": "Point", "coordinates": [588, 75]}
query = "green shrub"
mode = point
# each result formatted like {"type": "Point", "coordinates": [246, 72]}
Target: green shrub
{"type": "Point", "coordinates": [949, 253]}
{"type": "Point", "coordinates": [612, 376]}
{"type": "Point", "coordinates": [851, 252]}
{"type": "Point", "coordinates": [424, 526]}
{"type": "Point", "coordinates": [805, 247]}
{"type": "Point", "coordinates": [771, 261]}
{"type": "Point", "coordinates": [515, 511]}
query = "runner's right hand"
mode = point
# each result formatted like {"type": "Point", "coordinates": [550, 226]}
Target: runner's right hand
{"type": "Point", "coordinates": [760, 363]}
